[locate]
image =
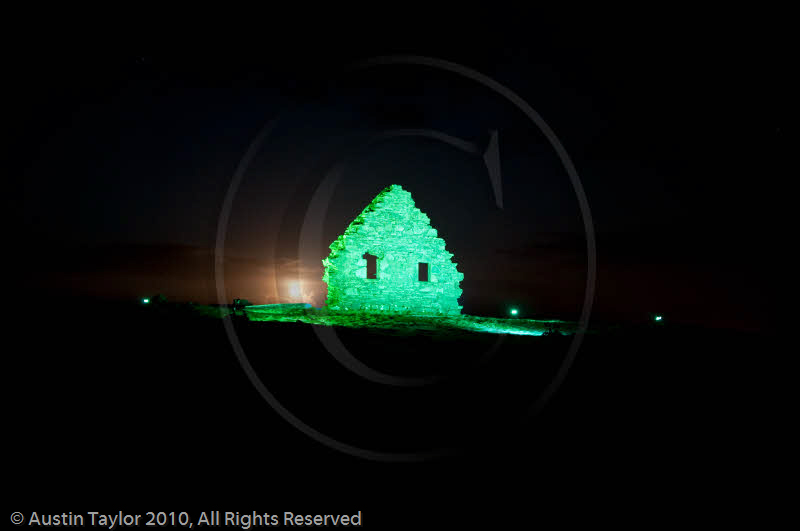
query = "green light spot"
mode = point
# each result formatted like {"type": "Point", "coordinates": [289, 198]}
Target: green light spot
{"type": "Point", "coordinates": [145, 301]}
{"type": "Point", "coordinates": [514, 311]}
{"type": "Point", "coordinates": [658, 317]}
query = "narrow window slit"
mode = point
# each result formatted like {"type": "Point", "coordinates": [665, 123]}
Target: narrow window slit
{"type": "Point", "coordinates": [423, 272]}
{"type": "Point", "coordinates": [372, 266]}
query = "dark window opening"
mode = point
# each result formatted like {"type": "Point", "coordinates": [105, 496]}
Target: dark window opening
{"type": "Point", "coordinates": [372, 266]}
{"type": "Point", "coordinates": [423, 272]}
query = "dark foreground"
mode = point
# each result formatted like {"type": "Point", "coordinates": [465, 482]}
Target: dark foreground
{"type": "Point", "coordinates": [126, 407]}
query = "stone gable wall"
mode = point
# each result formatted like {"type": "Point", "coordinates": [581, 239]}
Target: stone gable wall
{"type": "Point", "coordinates": [401, 236]}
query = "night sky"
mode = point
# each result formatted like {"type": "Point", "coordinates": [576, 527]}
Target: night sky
{"type": "Point", "coordinates": [677, 131]}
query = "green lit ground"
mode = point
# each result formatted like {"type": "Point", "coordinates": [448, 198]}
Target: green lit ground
{"type": "Point", "coordinates": [492, 325]}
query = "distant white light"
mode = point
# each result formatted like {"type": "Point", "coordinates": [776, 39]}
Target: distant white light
{"type": "Point", "coordinates": [295, 290]}
{"type": "Point", "coordinates": [658, 317]}
{"type": "Point", "coordinates": [513, 311]}
{"type": "Point", "coordinates": [145, 301]}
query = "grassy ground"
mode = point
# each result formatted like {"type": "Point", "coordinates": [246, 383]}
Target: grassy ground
{"type": "Point", "coordinates": [406, 323]}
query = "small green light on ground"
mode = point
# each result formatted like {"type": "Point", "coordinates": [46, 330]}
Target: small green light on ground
{"type": "Point", "coordinates": [514, 311]}
{"type": "Point", "coordinates": [658, 317]}
{"type": "Point", "coordinates": [145, 301]}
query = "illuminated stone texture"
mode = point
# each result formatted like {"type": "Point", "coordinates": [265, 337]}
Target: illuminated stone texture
{"type": "Point", "coordinates": [392, 229]}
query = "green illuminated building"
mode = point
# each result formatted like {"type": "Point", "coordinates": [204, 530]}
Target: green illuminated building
{"type": "Point", "coordinates": [391, 260]}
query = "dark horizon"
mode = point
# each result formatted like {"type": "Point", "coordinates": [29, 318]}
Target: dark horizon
{"type": "Point", "coordinates": [126, 157]}
{"type": "Point", "coordinates": [630, 283]}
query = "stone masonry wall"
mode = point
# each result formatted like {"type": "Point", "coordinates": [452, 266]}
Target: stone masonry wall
{"type": "Point", "coordinates": [401, 236]}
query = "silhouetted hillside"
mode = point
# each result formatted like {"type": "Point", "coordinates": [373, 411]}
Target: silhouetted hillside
{"type": "Point", "coordinates": [153, 397]}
